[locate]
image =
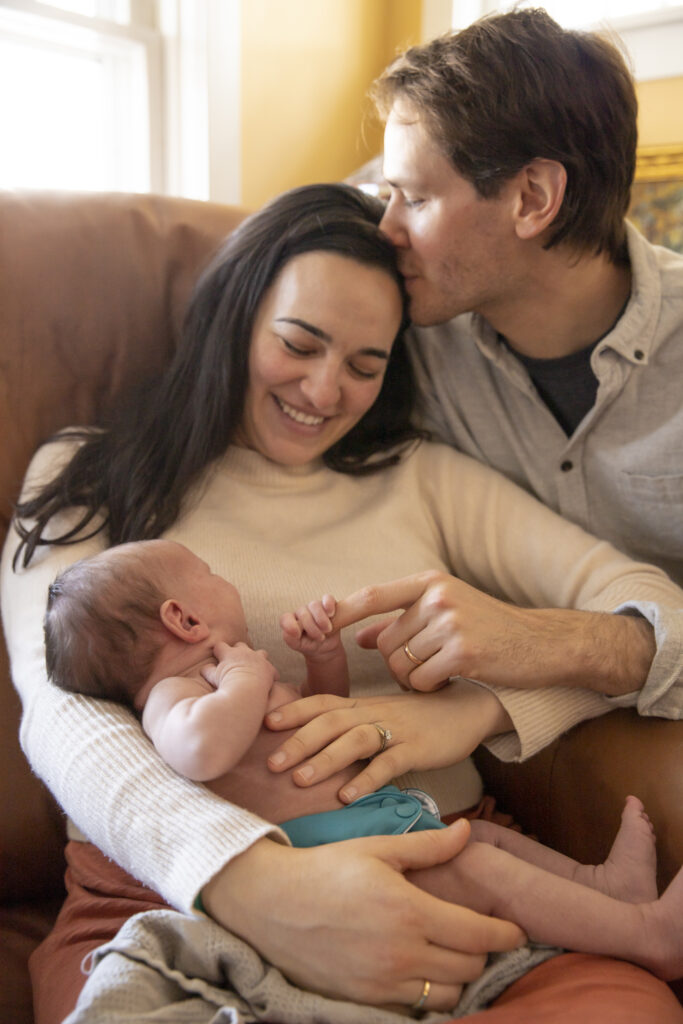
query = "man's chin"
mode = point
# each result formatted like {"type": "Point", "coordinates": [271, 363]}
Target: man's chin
{"type": "Point", "coordinates": [422, 317]}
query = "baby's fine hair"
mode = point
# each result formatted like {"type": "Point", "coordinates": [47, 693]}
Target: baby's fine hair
{"type": "Point", "coordinates": [102, 626]}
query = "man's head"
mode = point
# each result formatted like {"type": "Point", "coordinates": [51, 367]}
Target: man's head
{"type": "Point", "coordinates": [520, 116]}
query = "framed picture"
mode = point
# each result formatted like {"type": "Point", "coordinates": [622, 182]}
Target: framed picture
{"type": "Point", "coordinates": [657, 195]}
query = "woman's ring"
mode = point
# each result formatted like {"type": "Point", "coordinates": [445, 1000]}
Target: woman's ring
{"type": "Point", "coordinates": [384, 735]}
{"type": "Point", "coordinates": [416, 1007]}
{"type": "Point", "coordinates": [410, 656]}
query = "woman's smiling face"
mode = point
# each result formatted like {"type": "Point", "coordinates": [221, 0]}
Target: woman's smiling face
{"type": "Point", "coordinates": [318, 354]}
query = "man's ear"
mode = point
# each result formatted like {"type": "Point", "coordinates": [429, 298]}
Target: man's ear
{"type": "Point", "coordinates": [541, 188]}
{"type": "Point", "coordinates": [179, 620]}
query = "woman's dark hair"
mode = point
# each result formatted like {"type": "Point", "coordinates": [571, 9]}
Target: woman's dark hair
{"type": "Point", "coordinates": [136, 469]}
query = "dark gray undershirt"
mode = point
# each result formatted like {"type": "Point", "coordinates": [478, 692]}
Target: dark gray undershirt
{"type": "Point", "coordinates": [567, 385]}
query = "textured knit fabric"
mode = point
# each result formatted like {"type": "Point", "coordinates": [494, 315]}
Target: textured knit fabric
{"type": "Point", "coordinates": [283, 536]}
{"type": "Point", "coordinates": [163, 966]}
{"type": "Point", "coordinates": [620, 473]}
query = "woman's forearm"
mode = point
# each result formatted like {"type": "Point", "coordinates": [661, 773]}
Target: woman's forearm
{"type": "Point", "coordinates": [101, 769]}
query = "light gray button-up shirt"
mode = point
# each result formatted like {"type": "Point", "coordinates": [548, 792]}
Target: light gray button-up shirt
{"type": "Point", "coordinates": [620, 474]}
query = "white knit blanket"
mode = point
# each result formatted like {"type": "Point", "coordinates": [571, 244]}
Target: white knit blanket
{"type": "Point", "coordinates": [168, 968]}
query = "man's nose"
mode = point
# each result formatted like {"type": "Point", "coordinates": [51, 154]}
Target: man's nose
{"type": "Point", "coordinates": [392, 226]}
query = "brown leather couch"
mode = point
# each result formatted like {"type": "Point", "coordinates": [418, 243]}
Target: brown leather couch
{"type": "Point", "coordinates": [92, 289]}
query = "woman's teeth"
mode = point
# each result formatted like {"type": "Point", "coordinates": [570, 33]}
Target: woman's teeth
{"type": "Point", "coordinates": [299, 417]}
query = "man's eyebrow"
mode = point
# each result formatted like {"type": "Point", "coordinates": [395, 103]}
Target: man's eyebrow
{"type": "Point", "coordinates": [304, 324]}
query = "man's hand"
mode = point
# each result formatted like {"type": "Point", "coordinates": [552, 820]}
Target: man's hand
{"type": "Point", "coordinates": [449, 628]}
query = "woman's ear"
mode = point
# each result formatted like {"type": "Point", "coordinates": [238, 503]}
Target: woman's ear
{"type": "Point", "coordinates": [541, 188]}
{"type": "Point", "coordinates": [179, 620]}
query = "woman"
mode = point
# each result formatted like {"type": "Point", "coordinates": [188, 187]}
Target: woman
{"type": "Point", "coordinates": [276, 447]}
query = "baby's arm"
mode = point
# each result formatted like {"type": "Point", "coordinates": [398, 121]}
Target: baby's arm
{"type": "Point", "coordinates": [310, 631]}
{"type": "Point", "coordinates": [203, 733]}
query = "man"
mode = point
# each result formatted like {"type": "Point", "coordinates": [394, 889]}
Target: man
{"type": "Point", "coordinates": [551, 332]}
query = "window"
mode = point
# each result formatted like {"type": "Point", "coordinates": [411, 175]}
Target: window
{"type": "Point", "coordinates": [81, 92]}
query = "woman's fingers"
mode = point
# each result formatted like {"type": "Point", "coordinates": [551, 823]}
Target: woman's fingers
{"type": "Point", "coordinates": [381, 770]}
{"type": "Point", "coordinates": [327, 746]}
{"type": "Point", "coordinates": [299, 712]}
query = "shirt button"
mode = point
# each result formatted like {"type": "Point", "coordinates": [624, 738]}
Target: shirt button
{"type": "Point", "coordinates": [567, 465]}
{"type": "Point", "coordinates": [405, 811]}
{"type": "Point", "coordinates": [638, 354]}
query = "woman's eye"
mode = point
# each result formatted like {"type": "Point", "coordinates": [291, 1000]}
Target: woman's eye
{"type": "Point", "coordinates": [296, 349]}
{"type": "Point", "coordinates": [358, 371]}
{"type": "Point", "coordinates": [413, 204]}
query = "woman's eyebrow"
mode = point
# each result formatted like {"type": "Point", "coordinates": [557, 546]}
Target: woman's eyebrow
{"type": "Point", "coordinates": [304, 324]}
{"type": "Point", "coordinates": [324, 336]}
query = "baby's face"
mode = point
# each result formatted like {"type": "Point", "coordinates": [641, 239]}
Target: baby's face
{"type": "Point", "coordinates": [213, 597]}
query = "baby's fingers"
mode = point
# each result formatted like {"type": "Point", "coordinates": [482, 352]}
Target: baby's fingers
{"type": "Point", "coordinates": [314, 621]}
{"type": "Point", "coordinates": [290, 626]}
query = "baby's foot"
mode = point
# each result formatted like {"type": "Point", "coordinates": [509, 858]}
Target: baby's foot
{"type": "Point", "coordinates": [630, 871]}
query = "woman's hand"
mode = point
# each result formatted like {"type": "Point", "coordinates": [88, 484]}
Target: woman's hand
{"type": "Point", "coordinates": [342, 920]}
{"type": "Point", "coordinates": [449, 628]}
{"type": "Point", "coordinates": [426, 731]}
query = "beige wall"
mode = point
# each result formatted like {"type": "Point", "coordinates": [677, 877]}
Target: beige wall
{"type": "Point", "coordinates": [660, 118]}
{"type": "Point", "coordinates": [306, 68]}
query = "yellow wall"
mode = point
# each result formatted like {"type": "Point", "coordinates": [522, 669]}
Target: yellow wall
{"type": "Point", "coordinates": [306, 68]}
{"type": "Point", "coordinates": [659, 116]}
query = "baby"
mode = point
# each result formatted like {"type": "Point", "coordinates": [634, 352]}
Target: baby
{"type": "Point", "coordinates": [149, 624]}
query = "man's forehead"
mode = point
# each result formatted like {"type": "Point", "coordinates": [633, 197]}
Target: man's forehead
{"type": "Point", "coordinates": [411, 157]}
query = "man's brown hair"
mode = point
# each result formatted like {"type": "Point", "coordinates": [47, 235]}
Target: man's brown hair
{"type": "Point", "coordinates": [516, 86]}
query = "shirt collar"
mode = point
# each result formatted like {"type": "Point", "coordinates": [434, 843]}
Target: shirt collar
{"type": "Point", "coordinates": [632, 336]}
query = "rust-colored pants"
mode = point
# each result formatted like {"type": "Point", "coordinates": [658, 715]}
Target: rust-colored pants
{"type": "Point", "coordinates": [565, 990]}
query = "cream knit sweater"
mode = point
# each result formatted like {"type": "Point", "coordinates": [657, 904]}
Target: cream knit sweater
{"type": "Point", "coordinates": [284, 536]}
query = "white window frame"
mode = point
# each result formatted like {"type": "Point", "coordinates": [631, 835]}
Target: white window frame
{"type": "Point", "coordinates": [114, 34]}
{"type": "Point", "coordinates": [192, 56]}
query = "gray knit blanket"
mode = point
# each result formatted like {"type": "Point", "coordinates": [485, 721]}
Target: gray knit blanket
{"type": "Point", "coordinates": [168, 968]}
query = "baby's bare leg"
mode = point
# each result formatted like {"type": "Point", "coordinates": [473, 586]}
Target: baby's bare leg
{"type": "Point", "coordinates": [629, 873]}
{"type": "Point", "coordinates": [561, 912]}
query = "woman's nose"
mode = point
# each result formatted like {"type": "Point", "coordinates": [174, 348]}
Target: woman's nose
{"type": "Point", "coordinates": [392, 226]}
{"type": "Point", "coordinates": [321, 387]}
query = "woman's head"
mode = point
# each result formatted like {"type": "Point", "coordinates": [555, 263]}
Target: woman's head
{"type": "Point", "coordinates": [132, 477]}
{"type": "Point", "coordinates": [313, 255]}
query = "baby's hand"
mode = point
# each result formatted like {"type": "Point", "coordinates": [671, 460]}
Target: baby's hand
{"type": "Point", "coordinates": [309, 630]}
{"type": "Point", "coordinates": [239, 660]}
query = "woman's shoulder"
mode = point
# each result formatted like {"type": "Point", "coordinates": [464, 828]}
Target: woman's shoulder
{"type": "Point", "coordinates": [436, 455]}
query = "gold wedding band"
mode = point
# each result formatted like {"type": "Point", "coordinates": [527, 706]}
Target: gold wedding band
{"type": "Point", "coordinates": [384, 735]}
{"type": "Point", "coordinates": [410, 656]}
{"type": "Point", "coordinates": [416, 1007]}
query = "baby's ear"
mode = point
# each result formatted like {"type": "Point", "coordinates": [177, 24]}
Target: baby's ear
{"type": "Point", "coordinates": [179, 620]}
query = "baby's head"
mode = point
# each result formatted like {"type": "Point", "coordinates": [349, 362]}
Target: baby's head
{"type": "Point", "coordinates": [109, 616]}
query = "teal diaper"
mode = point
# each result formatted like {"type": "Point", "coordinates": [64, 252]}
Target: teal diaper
{"type": "Point", "coordinates": [388, 812]}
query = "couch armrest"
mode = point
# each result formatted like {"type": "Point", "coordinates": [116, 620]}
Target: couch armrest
{"type": "Point", "coordinates": [571, 794]}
